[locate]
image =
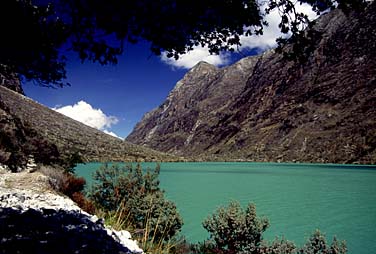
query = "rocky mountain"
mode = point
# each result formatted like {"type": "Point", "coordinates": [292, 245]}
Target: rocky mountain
{"type": "Point", "coordinates": [267, 108]}
{"type": "Point", "coordinates": [21, 117]}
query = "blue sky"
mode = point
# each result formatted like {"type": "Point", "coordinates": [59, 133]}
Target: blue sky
{"type": "Point", "coordinates": [134, 86]}
{"type": "Point", "coordinates": [114, 98]}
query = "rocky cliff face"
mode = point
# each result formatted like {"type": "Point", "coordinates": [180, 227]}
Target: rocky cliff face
{"type": "Point", "coordinates": [68, 135]}
{"type": "Point", "coordinates": [265, 108]}
{"type": "Point", "coordinates": [193, 104]}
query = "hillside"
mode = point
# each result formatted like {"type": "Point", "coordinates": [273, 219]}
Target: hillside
{"type": "Point", "coordinates": [266, 108]}
{"type": "Point", "coordinates": [68, 135]}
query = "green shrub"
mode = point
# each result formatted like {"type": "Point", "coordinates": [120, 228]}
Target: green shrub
{"type": "Point", "coordinates": [278, 246]}
{"type": "Point", "coordinates": [317, 244]}
{"type": "Point", "coordinates": [235, 230]}
{"type": "Point", "coordinates": [69, 161]}
{"type": "Point", "coordinates": [146, 208]}
{"type": "Point", "coordinates": [207, 247]}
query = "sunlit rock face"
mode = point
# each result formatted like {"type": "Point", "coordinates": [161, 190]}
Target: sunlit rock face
{"type": "Point", "coordinates": [266, 108]}
{"type": "Point", "coordinates": [192, 106]}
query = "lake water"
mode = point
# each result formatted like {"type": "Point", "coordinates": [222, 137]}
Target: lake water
{"type": "Point", "coordinates": [297, 198]}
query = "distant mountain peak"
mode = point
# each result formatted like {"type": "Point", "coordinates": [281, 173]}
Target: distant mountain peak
{"type": "Point", "coordinates": [202, 67]}
{"type": "Point", "coordinates": [204, 64]}
{"type": "Point", "coordinates": [265, 108]}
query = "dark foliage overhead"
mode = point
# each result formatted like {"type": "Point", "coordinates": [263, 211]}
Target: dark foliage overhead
{"type": "Point", "coordinates": [35, 32]}
{"type": "Point", "coordinates": [30, 41]}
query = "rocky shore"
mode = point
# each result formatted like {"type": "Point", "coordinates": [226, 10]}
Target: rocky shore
{"type": "Point", "coordinates": [35, 219]}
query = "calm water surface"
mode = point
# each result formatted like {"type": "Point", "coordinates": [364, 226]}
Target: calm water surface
{"type": "Point", "coordinates": [297, 198]}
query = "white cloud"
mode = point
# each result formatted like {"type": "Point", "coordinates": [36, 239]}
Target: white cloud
{"type": "Point", "coordinates": [268, 39]}
{"type": "Point", "coordinates": [86, 114]}
{"type": "Point", "coordinates": [261, 43]}
{"type": "Point", "coordinates": [307, 9]}
{"type": "Point", "coordinates": [272, 32]}
{"type": "Point", "coordinates": [194, 56]}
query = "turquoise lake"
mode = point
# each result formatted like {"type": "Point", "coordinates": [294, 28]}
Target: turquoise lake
{"type": "Point", "coordinates": [296, 198]}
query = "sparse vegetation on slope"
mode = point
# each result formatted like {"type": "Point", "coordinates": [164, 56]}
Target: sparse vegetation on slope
{"type": "Point", "coordinates": [19, 142]}
{"type": "Point", "coordinates": [72, 137]}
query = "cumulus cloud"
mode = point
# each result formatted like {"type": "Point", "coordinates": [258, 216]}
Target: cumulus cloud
{"type": "Point", "coordinates": [265, 41]}
{"type": "Point", "coordinates": [260, 43]}
{"type": "Point", "coordinates": [272, 32]}
{"type": "Point", "coordinates": [194, 56]}
{"type": "Point", "coordinates": [86, 114]}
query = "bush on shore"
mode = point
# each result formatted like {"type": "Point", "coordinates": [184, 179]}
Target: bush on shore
{"type": "Point", "coordinates": [234, 230]}
{"type": "Point", "coordinates": [68, 184]}
{"type": "Point", "coordinates": [132, 198]}
{"type": "Point", "coordinates": [129, 198]}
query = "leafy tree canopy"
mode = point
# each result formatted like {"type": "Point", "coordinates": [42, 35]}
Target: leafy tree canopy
{"type": "Point", "coordinates": [34, 32]}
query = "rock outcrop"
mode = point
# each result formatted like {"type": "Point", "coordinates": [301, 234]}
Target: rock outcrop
{"type": "Point", "coordinates": [68, 135]}
{"type": "Point", "coordinates": [12, 82]}
{"type": "Point", "coordinates": [266, 108]}
{"type": "Point", "coordinates": [35, 219]}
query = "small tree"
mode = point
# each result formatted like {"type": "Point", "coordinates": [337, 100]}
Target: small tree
{"type": "Point", "coordinates": [235, 230]}
{"type": "Point", "coordinates": [139, 193]}
{"type": "Point", "coordinates": [317, 244]}
{"type": "Point", "coordinates": [278, 246]}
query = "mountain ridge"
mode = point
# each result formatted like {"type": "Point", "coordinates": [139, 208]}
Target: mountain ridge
{"type": "Point", "coordinates": [265, 108]}
{"type": "Point", "coordinates": [71, 136]}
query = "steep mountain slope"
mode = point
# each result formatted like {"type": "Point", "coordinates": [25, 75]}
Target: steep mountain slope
{"type": "Point", "coordinates": [265, 108]}
{"type": "Point", "coordinates": [68, 135]}
{"type": "Point", "coordinates": [192, 104]}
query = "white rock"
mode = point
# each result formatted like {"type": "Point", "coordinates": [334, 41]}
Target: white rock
{"type": "Point", "coordinates": [126, 240]}
{"type": "Point", "coordinates": [27, 199]}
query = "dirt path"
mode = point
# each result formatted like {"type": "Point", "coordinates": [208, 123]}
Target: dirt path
{"type": "Point", "coordinates": [35, 181]}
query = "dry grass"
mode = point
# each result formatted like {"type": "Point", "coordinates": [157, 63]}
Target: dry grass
{"type": "Point", "coordinates": [146, 238]}
{"type": "Point", "coordinates": [55, 176]}
{"type": "Point", "coordinates": [68, 184]}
